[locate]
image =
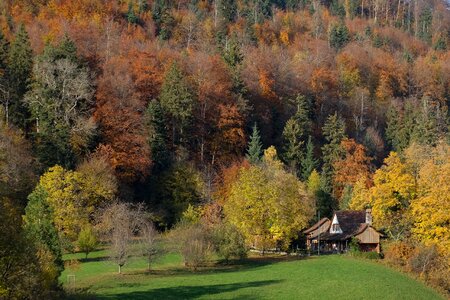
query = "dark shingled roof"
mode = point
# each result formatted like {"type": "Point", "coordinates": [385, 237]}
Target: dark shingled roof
{"type": "Point", "coordinates": [317, 225]}
{"type": "Point", "coordinates": [352, 222]}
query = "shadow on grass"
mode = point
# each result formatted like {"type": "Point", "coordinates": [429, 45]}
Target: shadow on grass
{"type": "Point", "coordinates": [93, 259]}
{"type": "Point", "coordinates": [218, 267]}
{"type": "Point", "coordinates": [192, 292]}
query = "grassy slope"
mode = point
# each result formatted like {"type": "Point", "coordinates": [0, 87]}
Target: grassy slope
{"type": "Point", "coordinates": [327, 277]}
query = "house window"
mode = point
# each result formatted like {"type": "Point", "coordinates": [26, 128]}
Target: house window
{"type": "Point", "coordinates": [335, 228]}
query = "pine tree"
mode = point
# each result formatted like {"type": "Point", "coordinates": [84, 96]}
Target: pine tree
{"type": "Point", "coordinates": [309, 163]}
{"type": "Point", "coordinates": [338, 36]}
{"type": "Point", "coordinates": [20, 65]}
{"type": "Point", "coordinates": [157, 136]}
{"type": "Point", "coordinates": [131, 16]}
{"type": "Point", "coordinates": [66, 49]}
{"type": "Point", "coordinates": [254, 150]}
{"type": "Point", "coordinates": [333, 132]}
{"type": "Point", "coordinates": [4, 85]}
{"type": "Point", "coordinates": [296, 130]}
{"type": "Point", "coordinates": [293, 154]}
{"type": "Point", "coordinates": [177, 102]}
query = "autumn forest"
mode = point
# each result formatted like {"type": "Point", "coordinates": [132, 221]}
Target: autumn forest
{"type": "Point", "coordinates": [234, 122]}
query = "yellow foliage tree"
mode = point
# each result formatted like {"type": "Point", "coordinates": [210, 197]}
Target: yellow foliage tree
{"type": "Point", "coordinates": [73, 197]}
{"type": "Point", "coordinates": [267, 204]}
{"type": "Point", "coordinates": [431, 209]}
{"type": "Point", "coordinates": [360, 195]}
{"type": "Point", "coordinates": [394, 188]}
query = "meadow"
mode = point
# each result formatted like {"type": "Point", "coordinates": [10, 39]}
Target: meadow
{"type": "Point", "coordinates": [325, 277]}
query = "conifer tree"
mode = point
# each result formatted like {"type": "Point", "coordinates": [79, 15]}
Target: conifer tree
{"type": "Point", "coordinates": [157, 136]}
{"type": "Point", "coordinates": [295, 132]}
{"type": "Point", "coordinates": [309, 163]}
{"type": "Point", "coordinates": [20, 63]}
{"type": "Point", "coordinates": [177, 101]}
{"type": "Point", "coordinates": [4, 86]}
{"type": "Point", "coordinates": [131, 16]}
{"type": "Point", "coordinates": [334, 133]}
{"type": "Point", "coordinates": [254, 150]}
{"type": "Point", "coordinates": [338, 36]}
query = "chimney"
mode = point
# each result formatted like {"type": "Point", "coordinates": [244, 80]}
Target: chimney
{"type": "Point", "coordinates": [369, 216]}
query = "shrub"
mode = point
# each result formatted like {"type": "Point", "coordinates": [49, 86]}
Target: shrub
{"type": "Point", "coordinates": [398, 253]}
{"type": "Point", "coordinates": [193, 242]}
{"type": "Point", "coordinates": [423, 260]}
{"type": "Point", "coordinates": [229, 242]}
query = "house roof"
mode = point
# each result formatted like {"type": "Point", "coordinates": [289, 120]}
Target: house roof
{"type": "Point", "coordinates": [351, 222]}
{"type": "Point", "coordinates": [317, 225]}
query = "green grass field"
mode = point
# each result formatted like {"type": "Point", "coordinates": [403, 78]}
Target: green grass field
{"type": "Point", "coordinates": [326, 277]}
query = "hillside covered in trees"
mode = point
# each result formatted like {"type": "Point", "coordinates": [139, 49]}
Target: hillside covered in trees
{"type": "Point", "coordinates": [257, 113]}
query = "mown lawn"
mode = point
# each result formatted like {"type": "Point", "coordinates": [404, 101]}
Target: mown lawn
{"type": "Point", "coordinates": [326, 277]}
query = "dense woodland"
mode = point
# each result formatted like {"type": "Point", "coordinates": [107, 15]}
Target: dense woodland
{"type": "Point", "coordinates": [260, 114]}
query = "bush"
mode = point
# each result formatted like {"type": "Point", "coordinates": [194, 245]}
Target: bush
{"type": "Point", "coordinates": [423, 260]}
{"type": "Point", "coordinates": [193, 242]}
{"type": "Point", "coordinates": [398, 253]}
{"type": "Point", "coordinates": [229, 242]}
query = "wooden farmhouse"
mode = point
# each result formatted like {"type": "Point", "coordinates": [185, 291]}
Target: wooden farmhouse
{"type": "Point", "coordinates": [335, 235]}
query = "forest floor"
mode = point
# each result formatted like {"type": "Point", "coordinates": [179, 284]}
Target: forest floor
{"type": "Point", "coordinates": [325, 277]}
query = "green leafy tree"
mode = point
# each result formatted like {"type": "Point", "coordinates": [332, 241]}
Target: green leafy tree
{"type": "Point", "coordinates": [177, 188]}
{"type": "Point", "coordinates": [254, 150]}
{"type": "Point", "coordinates": [23, 275]}
{"type": "Point", "coordinates": [87, 241]}
{"type": "Point", "coordinates": [40, 228]}
{"type": "Point", "coordinates": [20, 64]}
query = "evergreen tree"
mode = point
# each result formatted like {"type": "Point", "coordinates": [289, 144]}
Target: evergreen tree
{"type": "Point", "coordinates": [233, 57]}
{"type": "Point", "coordinates": [227, 10]}
{"type": "Point", "coordinates": [232, 53]}
{"type": "Point", "coordinates": [177, 102]}
{"type": "Point", "coordinates": [158, 136]}
{"type": "Point", "coordinates": [293, 154]}
{"type": "Point", "coordinates": [4, 85]}
{"type": "Point", "coordinates": [64, 92]}
{"type": "Point", "coordinates": [254, 150]}
{"type": "Point", "coordinates": [338, 36]}
{"type": "Point", "coordinates": [20, 63]}
{"type": "Point", "coordinates": [66, 49]}
{"type": "Point", "coordinates": [4, 49]}
{"type": "Point", "coordinates": [425, 25]}
{"type": "Point", "coordinates": [295, 132]}
{"type": "Point", "coordinates": [309, 163]}
{"type": "Point", "coordinates": [164, 21]}
{"type": "Point", "coordinates": [131, 16]}
{"type": "Point", "coordinates": [333, 132]}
